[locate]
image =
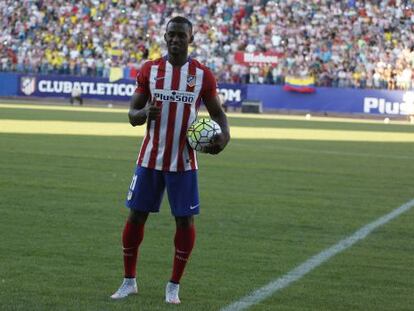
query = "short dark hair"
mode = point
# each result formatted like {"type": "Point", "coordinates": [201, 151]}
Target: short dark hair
{"type": "Point", "coordinates": [181, 20]}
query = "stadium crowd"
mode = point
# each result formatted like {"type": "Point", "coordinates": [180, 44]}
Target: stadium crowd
{"type": "Point", "coordinates": [349, 43]}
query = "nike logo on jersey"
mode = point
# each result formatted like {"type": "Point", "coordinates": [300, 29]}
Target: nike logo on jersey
{"type": "Point", "coordinates": [194, 206]}
{"type": "Point", "coordinates": [158, 78]}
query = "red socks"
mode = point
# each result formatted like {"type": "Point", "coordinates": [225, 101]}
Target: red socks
{"type": "Point", "coordinates": [132, 237]}
{"type": "Point", "coordinates": [184, 242]}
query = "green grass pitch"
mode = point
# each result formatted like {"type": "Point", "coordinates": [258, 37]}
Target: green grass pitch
{"type": "Point", "coordinates": [267, 206]}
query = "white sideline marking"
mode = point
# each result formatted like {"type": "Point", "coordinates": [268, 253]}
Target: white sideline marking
{"type": "Point", "coordinates": [315, 261]}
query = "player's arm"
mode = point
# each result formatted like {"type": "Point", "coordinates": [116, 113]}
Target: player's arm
{"type": "Point", "coordinates": [215, 110]}
{"type": "Point", "coordinates": [141, 106]}
{"type": "Point", "coordinates": [138, 109]}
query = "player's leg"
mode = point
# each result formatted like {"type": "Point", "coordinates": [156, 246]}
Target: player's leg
{"type": "Point", "coordinates": [132, 236]}
{"type": "Point", "coordinates": [184, 242]}
{"type": "Point", "coordinates": [184, 201]}
{"type": "Point", "coordinates": [144, 196]}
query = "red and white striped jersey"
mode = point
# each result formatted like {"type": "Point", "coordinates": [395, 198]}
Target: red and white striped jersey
{"type": "Point", "coordinates": [179, 92]}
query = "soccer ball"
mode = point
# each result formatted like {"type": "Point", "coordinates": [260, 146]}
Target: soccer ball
{"type": "Point", "coordinates": [201, 132]}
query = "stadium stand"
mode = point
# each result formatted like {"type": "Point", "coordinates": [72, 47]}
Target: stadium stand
{"type": "Point", "coordinates": [349, 43]}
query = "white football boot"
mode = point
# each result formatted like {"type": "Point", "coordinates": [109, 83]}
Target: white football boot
{"type": "Point", "coordinates": [128, 287]}
{"type": "Point", "coordinates": [171, 293]}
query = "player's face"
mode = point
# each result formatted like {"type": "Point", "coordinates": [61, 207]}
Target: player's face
{"type": "Point", "coordinates": [178, 37]}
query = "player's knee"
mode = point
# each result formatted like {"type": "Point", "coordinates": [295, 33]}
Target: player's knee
{"type": "Point", "coordinates": [184, 222]}
{"type": "Point", "coordinates": [137, 217]}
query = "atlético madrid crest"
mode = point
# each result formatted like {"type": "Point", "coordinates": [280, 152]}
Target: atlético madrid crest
{"type": "Point", "coordinates": [27, 85]}
{"type": "Point", "coordinates": [191, 80]}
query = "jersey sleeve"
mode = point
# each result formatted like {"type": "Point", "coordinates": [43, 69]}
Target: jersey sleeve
{"type": "Point", "coordinates": [142, 80]}
{"type": "Point", "coordinates": [209, 88]}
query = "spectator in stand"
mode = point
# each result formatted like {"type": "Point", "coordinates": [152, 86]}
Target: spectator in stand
{"type": "Point", "coordinates": [342, 43]}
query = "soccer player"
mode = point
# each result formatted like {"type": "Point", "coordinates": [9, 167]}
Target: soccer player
{"type": "Point", "coordinates": [167, 98]}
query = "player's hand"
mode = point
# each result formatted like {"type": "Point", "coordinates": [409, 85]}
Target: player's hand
{"type": "Point", "coordinates": [153, 111]}
{"type": "Point", "coordinates": [218, 142]}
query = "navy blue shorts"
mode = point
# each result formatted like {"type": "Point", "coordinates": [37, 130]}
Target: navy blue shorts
{"type": "Point", "coordinates": [148, 186]}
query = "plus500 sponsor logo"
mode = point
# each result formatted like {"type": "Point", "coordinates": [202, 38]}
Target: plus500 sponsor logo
{"type": "Point", "coordinates": [174, 96]}
{"type": "Point", "coordinates": [382, 106]}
